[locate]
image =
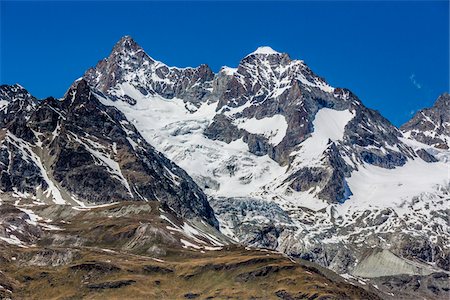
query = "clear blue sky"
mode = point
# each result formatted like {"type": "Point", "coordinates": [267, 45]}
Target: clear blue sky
{"type": "Point", "coordinates": [393, 55]}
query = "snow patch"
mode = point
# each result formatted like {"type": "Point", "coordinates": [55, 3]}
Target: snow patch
{"type": "Point", "coordinates": [273, 128]}
{"type": "Point", "coordinates": [329, 124]}
{"type": "Point", "coordinates": [187, 244]}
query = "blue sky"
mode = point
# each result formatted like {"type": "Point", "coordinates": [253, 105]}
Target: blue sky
{"type": "Point", "coordinates": [393, 55]}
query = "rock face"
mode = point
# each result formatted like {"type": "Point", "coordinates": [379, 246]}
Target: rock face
{"type": "Point", "coordinates": [431, 126]}
{"type": "Point", "coordinates": [79, 151]}
{"type": "Point", "coordinates": [289, 162]}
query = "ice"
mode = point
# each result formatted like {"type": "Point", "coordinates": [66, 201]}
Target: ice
{"type": "Point", "coordinates": [380, 187]}
{"type": "Point", "coordinates": [228, 71]}
{"type": "Point", "coordinates": [178, 133]}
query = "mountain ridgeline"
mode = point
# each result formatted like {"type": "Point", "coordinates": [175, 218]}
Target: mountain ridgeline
{"type": "Point", "coordinates": [268, 153]}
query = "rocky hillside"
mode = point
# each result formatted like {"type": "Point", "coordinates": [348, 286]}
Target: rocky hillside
{"type": "Point", "coordinates": [141, 250]}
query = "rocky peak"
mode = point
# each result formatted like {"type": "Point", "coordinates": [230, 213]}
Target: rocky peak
{"type": "Point", "coordinates": [443, 102]}
{"type": "Point", "coordinates": [127, 53]}
{"type": "Point", "coordinates": [266, 74]}
{"type": "Point", "coordinates": [129, 68]}
{"type": "Point", "coordinates": [126, 44]}
{"type": "Point", "coordinates": [16, 106]}
{"type": "Point", "coordinates": [15, 92]}
{"type": "Point", "coordinates": [79, 94]}
{"type": "Point", "coordinates": [431, 126]}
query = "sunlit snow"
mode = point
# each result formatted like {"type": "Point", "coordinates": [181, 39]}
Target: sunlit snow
{"type": "Point", "coordinates": [273, 128]}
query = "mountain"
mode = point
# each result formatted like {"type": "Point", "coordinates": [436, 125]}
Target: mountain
{"type": "Point", "coordinates": [268, 153]}
{"type": "Point", "coordinates": [89, 209]}
{"type": "Point", "coordinates": [289, 162]}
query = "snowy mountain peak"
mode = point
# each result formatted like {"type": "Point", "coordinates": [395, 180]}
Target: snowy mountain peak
{"type": "Point", "coordinates": [15, 87]}
{"type": "Point", "coordinates": [130, 74]}
{"type": "Point", "coordinates": [126, 43]}
{"type": "Point", "coordinates": [264, 50]}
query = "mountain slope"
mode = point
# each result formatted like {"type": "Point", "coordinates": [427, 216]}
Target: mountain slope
{"type": "Point", "coordinates": [141, 250]}
{"type": "Point", "coordinates": [80, 152]}
{"type": "Point", "coordinates": [288, 161]}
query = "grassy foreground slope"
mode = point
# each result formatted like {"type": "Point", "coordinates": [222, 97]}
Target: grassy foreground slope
{"type": "Point", "coordinates": [138, 251]}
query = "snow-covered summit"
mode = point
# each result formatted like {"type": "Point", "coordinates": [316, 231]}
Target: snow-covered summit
{"type": "Point", "coordinates": [127, 42]}
{"type": "Point", "coordinates": [129, 66]}
{"type": "Point", "coordinates": [264, 50]}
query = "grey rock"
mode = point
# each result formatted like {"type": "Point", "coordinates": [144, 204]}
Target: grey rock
{"type": "Point", "coordinates": [431, 126]}
{"type": "Point", "coordinates": [426, 156]}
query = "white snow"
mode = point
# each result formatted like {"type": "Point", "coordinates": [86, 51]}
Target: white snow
{"type": "Point", "coordinates": [3, 104]}
{"type": "Point", "coordinates": [264, 50]}
{"type": "Point", "coordinates": [33, 217]}
{"type": "Point", "coordinates": [178, 133]}
{"type": "Point", "coordinates": [170, 222]}
{"type": "Point", "coordinates": [158, 260]}
{"type": "Point", "coordinates": [13, 240]}
{"type": "Point", "coordinates": [212, 248]}
{"type": "Point", "coordinates": [274, 128]}
{"type": "Point", "coordinates": [187, 244]}
{"type": "Point", "coordinates": [379, 187]}
{"type": "Point", "coordinates": [189, 230]}
{"type": "Point", "coordinates": [88, 207]}
{"type": "Point", "coordinates": [50, 227]}
{"type": "Point", "coordinates": [329, 124]}
{"type": "Point", "coordinates": [228, 71]}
